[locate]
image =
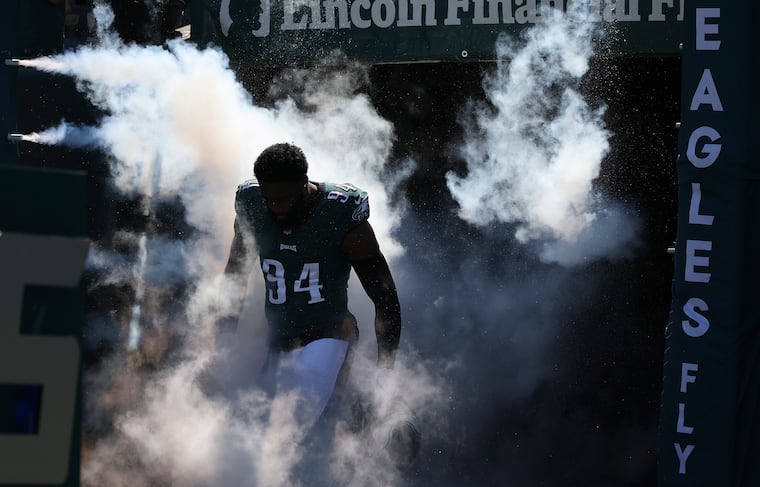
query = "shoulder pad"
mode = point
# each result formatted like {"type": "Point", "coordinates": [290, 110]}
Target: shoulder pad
{"type": "Point", "coordinates": [350, 199]}
{"type": "Point", "coordinates": [361, 212]}
{"type": "Point", "coordinates": [250, 183]}
{"type": "Point", "coordinates": [341, 192]}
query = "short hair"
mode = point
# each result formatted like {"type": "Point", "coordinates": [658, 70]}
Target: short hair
{"type": "Point", "coordinates": [280, 162]}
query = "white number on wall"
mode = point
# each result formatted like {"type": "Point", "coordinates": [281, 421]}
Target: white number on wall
{"type": "Point", "coordinates": [50, 361]}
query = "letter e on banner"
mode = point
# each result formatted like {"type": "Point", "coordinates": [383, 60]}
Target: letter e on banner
{"type": "Point", "coordinates": [704, 28]}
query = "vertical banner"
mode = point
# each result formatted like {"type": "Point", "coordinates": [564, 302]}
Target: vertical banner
{"type": "Point", "coordinates": [709, 396]}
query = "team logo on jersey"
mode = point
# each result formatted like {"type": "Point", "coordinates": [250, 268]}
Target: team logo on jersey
{"type": "Point", "coordinates": [362, 209]}
{"type": "Point", "coordinates": [288, 247]}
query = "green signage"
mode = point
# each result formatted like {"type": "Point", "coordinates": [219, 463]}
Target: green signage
{"type": "Point", "coordinates": [273, 32]}
{"type": "Point", "coordinates": [708, 431]}
{"type": "Point", "coordinates": [43, 249]}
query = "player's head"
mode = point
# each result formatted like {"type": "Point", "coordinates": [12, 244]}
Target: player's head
{"type": "Point", "coordinates": [281, 172]}
{"type": "Point", "coordinates": [280, 163]}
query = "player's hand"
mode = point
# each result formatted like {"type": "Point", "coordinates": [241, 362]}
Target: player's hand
{"type": "Point", "coordinates": [213, 377]}
{"type": "Point", "coordinates": [384, 381]}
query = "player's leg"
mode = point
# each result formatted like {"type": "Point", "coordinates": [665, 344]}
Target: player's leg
{"type": "Point", "coordinates": [303, 381]}
{"type": "Point", "coordinates": [309, 374]}
{"type": "Point", "coordinates": [340, 400]}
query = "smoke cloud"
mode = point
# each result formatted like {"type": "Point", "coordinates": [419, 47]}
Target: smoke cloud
{"type": "Point", "coordinates": [178, 127]}
{"type": "Point", "coordinates": [484, 301]}
{"type": "Point", "coordinates": [77, 136]}
{"type": "Point", "coordinates": [534, 149]}
{"type": "Point", "coordinates": [495, 294]}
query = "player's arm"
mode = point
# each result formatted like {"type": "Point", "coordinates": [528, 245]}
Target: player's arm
{"type": "Point", "coordinates": [236, 262]}
{"type": "Point", "coordinates": [234, 283]}
{"type": "Point", "coordinates": [362, 250]}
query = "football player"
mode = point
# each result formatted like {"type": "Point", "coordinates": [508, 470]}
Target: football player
{"type": "Point", "coordinates": [308, 236]}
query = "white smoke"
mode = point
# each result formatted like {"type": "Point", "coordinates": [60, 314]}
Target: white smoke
{"type": "Point", "coordinates": [77, 136]}
{"type": "Point", "coordinates": [178, 126]}
{"type": "Point", "coordinates": [178, 119]}
{"type": "Point", "coordinates": [534, 152]}
{"type": "Point", "coordinates": [491, 305]}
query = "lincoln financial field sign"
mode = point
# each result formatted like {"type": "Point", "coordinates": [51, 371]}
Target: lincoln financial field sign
{"type": "Point", "coordinates": [285, 31]}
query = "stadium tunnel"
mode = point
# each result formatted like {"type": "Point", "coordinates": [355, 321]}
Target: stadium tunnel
{"type": "Point", "coordinates": [611, 348]}
{"type": "Point", "coordinates": [609, 390]}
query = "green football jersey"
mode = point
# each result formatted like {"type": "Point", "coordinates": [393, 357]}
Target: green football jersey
{"type": "Point", "coordinates": [305, 272]}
